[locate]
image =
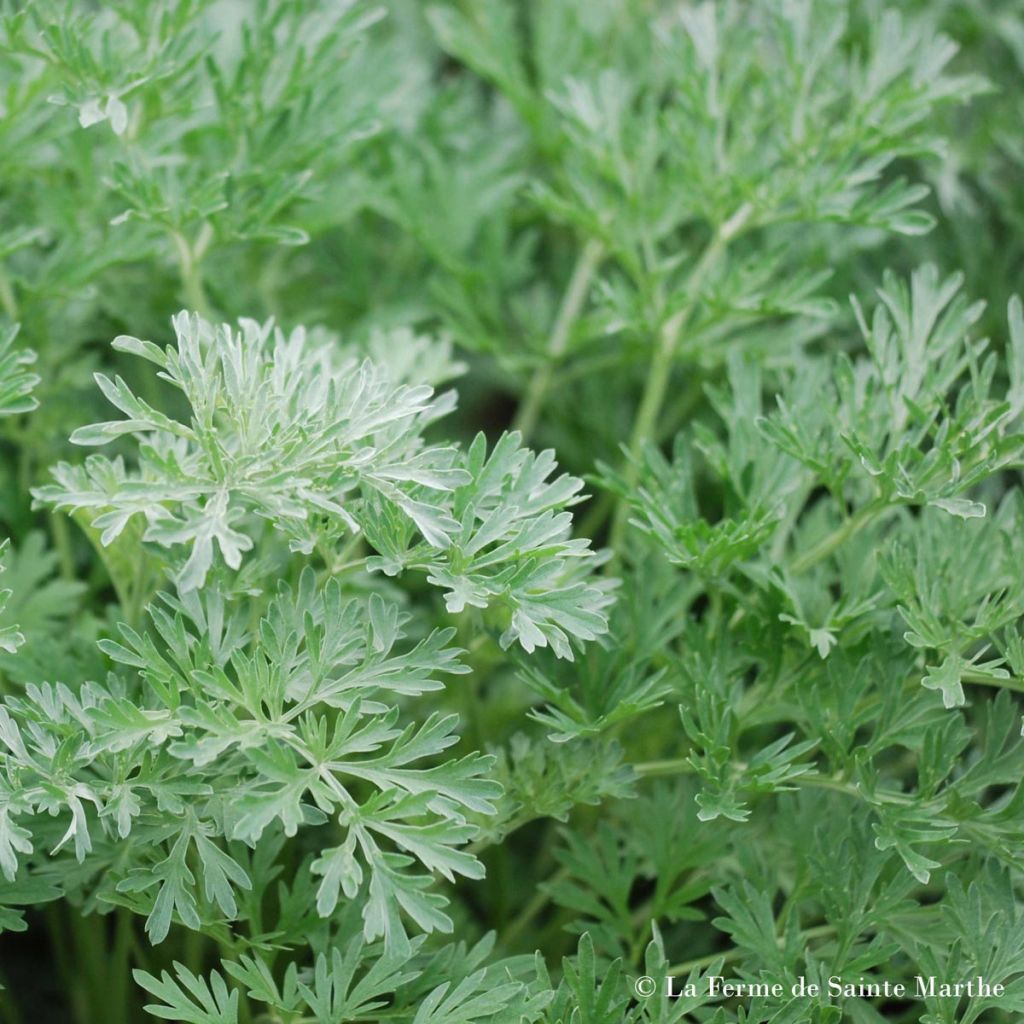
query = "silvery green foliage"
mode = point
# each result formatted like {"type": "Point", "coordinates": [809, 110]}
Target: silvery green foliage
{"type": "Point", "coordinates": [757, 126]}
{"type": "Point", "coordinates": [241, 733]}
{"type": "Point", "coordinates": [315, 703]}
{"type": "Point", "coordinates": [279, 429]}
{"type": "Point", "coordinates": [283, 430]}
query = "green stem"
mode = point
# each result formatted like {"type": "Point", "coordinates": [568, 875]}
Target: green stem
{"type": "Point", "coordinates": [139, 588]}
{"type": "Point", "coordinates": [882, 796]}
{"type": "Point", "coordinates": [572, 303]}
{"type": "Point", "coordinates": [478, 845]}
{"type": "Point", "coordinates": [863, 517]}
{"type": "Point", "coordinates": [822, 931]}
{"type": "Point", "coordinates": [672, 766]}
{"type": "Point", "coordinates": [600, 507]}
{"type": "Point", "coordinates": [659, 372]}
{"type": "Point", "coordinates": [979, 679]}
{"type": "Point", "coordinates": [7, 299]}
{"type": "Point", "coordinates": [525, 917]}
{"type": "Point", "coordinates": [681, 766]}
{"type": "Point", "coordinates": [189, 259]}
{"type": "Point", "coordinates": [62, 542]}
{"type": "Point", "coordinates": [647, 414]}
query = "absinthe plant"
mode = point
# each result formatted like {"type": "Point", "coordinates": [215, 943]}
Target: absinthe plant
{"type": "Point", "coordinates": [231, 715]}
{"type": "Point", "coordinates": [243, 728]}
{"type": "Point", "coordinates": [323, 449]}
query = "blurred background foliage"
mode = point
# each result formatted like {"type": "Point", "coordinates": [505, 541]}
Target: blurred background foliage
{"type": "Point", "coordinates": [364, 167]}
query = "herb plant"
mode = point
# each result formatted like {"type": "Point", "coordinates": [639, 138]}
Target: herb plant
{"type": "Point", "coordinates": [559, 553]}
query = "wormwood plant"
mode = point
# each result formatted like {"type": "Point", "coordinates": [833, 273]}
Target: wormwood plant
{"type": "Point", "coordinates": [470, 559]}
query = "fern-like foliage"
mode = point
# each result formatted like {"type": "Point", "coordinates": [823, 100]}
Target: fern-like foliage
{"type": "Point", "coordinates": [283, 431]}
{"type": "Point", "coordinates": [283, 728]}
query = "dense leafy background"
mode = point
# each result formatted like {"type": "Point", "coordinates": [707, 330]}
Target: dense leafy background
{"type": "Point", "coordinates": [329, 697]}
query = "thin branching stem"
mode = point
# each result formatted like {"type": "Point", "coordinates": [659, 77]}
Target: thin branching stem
{"type": "Point", "coordinates": [862, 518]}
{"type": "Point", "coordinates": [190, 256]}
{"type": "Point", "coordinates": [663, 356]}
{"type": "Point", "coordinates": [701, 963]}
{"type": "Point", "coordinates": [568, 313]}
